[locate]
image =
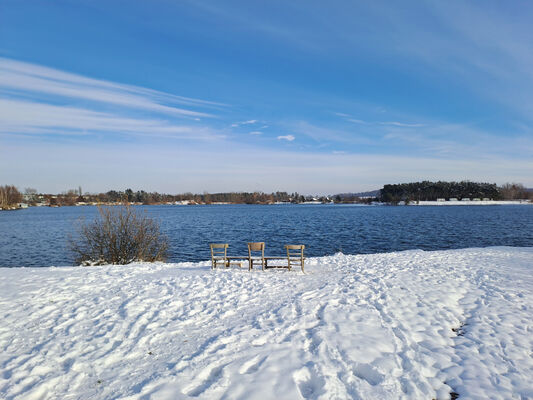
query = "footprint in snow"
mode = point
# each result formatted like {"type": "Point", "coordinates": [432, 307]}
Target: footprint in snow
{"type": "Point", "coordinates": [368, 373]}
{"type": "Point", "coordinates": [252, 365]}
{"type": "Point", "coordinates": [310, 384]}
{"type": "Point", "coordinates": [206, 379]}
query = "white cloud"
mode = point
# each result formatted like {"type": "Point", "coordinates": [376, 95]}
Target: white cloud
{"type": "Point", "coordinates": [18, 116]}
{"type": "Point", "coordinates": [24, 78]}
{"type": "Point", "coordinates": [94, 106]}
{"type": "Point", "coordinates": [256, 133]}
{"type": "Point", "coordinates": [289, 138]}
{"type": "Point", "coordinates": [357, 121]}
{"type": "Point", "coordinates": [403, 124]}
{"type": "Point", "coordinates": [249, 122]}
{"type": "Point", "coordinates": [393, 123]}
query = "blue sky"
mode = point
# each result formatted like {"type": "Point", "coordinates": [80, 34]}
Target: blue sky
{"type": "Point", "coordinates": [179, 96]}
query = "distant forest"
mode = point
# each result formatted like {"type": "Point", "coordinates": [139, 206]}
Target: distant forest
{"type": "Point", "coordinates": [10, 197]}
{"type": "Point", "coordinates": [205, 198]}
{"type": "Point", "coordinates": [73, 197]}
{"type": "Point", "coordinates": [426, 190]}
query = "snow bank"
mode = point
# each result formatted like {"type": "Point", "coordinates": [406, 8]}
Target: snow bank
{"type": "Point", "coordinates": [412, 325]}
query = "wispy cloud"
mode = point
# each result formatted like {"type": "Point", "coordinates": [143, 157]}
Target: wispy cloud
{"type": "Point", "coordinates": [484, 49]}
{"type": "Point", "coordinates": [327, 134]}
{"type": "Point", "coordinates": [438, 139]}
{"type": "Point", "coordinates": [289, 138]}
{"type": "Point", "coordinates": [348, 118]}
{"type": "Point", "coordinates": [357, 121]}
{"type": "Point", "coordinates": [93, 106]}
{"type": "Point", "coordinates": [26, 117]}
{"type": "Point", "coordinates": [459, 141]}
{"type": "Point", "coordinates": [249, 122]}
{"type": "Point", "coordinates": [256, 133]}
{"type": "Point", "coordinates": [22, 78]}
{"type": "Point", "coordinates": [403, 124]}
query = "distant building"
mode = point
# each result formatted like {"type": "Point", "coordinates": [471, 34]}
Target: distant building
{"type": "Point", "coordinates": [453, 199]}
{"type": "Point", "coordinates": [441, 199]}
{"type": "Point", "coordinates": [465, 199]}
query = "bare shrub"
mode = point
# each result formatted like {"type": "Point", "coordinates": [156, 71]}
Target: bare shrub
{"type": "Point", "coordinates": [9, 196]}
{"type": "Point", "coordinates": [514, 191]}
{"type": "Point", "coordinates": [119, 235]}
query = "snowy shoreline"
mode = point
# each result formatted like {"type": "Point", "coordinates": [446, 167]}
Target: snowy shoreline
{"type": "Point", "coordinates": [412, 325]}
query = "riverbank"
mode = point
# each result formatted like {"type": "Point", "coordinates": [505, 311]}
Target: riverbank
{"type": "Point", "coordinates": [412, 324]}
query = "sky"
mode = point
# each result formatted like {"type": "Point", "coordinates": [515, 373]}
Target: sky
{"type": "Point", "coordinates": [210, 96]}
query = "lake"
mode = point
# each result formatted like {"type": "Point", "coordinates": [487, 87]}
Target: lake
{"type": "Point", "coordinates": [38, 236]}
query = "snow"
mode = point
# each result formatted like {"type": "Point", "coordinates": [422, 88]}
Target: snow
{"type": "Point", "coordinates": [406, 325]}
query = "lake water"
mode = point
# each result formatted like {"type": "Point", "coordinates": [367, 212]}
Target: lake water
{"type": "Point", "coordinates": [38, 236]}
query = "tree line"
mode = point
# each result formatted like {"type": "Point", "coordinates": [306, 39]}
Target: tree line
{"type": "Point", "coordinates": [11, 197]}
{"type": "Point", "coordinates": [206, 198]}
{"type": "Point", "coordinates": [431, 191]}
{"type": "Point", "coordinates": [75, 196]}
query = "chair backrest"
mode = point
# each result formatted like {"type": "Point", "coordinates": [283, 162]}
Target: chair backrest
{"type": "Point", "coordinates": [256, 246]}
{"type": "Point", "coordinates": [218, 249]}
{"type": "Point", "coordinates": [295, 251]}
{"type": "Point", "coordinates": [295, 255]}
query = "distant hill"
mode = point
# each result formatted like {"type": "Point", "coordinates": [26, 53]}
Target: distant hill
{"type": "Point", "coordinates": [372, 193]}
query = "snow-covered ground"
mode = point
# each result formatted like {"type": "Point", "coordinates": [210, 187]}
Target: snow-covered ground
{"type": "Point", "coordinates": [411, 325]}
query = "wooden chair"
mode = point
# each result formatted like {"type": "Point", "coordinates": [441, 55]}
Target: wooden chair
{"type": "Point", "coordinates": [218, 254]}
{"type": "Point", "coordinates": [295, 255]}
{"type": "Point", "coordinates": [255, 247]}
